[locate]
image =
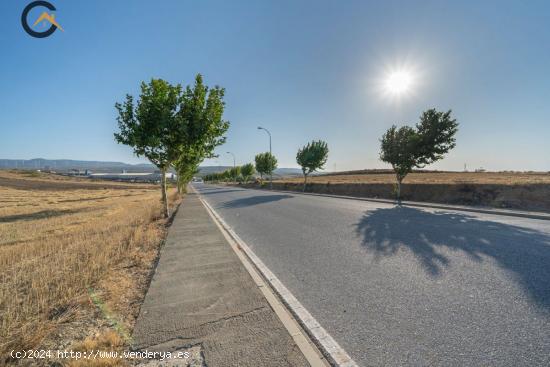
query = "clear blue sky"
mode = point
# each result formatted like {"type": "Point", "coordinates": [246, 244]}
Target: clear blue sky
{"type": "Point", "coordinates": [303, 69]}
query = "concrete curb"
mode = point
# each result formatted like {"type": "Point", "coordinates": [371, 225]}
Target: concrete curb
{"type": "Point", "coordinates": [503, 212]}
{"type": "Point", "coordinates": [332, 351]}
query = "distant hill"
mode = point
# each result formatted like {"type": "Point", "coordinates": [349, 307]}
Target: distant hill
{"type": "Point", "coordinates": [63, 165]}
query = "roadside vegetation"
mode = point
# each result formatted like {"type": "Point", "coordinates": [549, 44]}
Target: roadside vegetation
{"type": "Point", "coordinates": [312, 157]}
{"type": "Point", "coordinates": [75, 258]}
{"type": "Point", "coordinates": [408, 147]}
{"type": "Point", "coordinates": [266, 163]}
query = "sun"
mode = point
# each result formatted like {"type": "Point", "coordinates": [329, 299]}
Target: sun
{"type": "Point", "coordinates": [398, 82]}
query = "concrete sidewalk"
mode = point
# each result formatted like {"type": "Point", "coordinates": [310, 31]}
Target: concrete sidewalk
{"type": "Point", "coordinates": [201, 295]}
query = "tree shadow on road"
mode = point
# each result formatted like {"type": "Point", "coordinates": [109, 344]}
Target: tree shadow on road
{"type": "Point", "coordinates": [254, 200]}
{"type": "Point", "coordinates": [523, 251]}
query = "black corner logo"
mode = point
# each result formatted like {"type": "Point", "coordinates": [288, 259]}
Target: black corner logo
{"type": "Point", "coordinates": [44, 16]}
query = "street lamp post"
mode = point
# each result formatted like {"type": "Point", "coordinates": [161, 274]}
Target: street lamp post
{"type": "Point", "coordinates": [271, 173]}
{"type": "Point", "coordinates": [234, 170]}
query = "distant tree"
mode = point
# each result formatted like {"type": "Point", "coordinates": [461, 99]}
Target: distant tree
{"type": "Point", "coordinates": [247, 170]}
{"type": "Point", "coordinates": [226, 175]}
{"type": "Point", "coordinates": [150, 126]}
{"type": "Point", "coordinates": [312, 157]}
{"type": "Point", "coordinates": [186, 167]}
{"type": "Point", "coordinates": [235, 172]}
{"type": "Point", "coordinates": [406, 148]}
{"type": "Point", "coordinates": [266, 163]}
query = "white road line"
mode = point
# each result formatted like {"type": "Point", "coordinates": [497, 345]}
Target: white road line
{"type": "Point", "coordinates": [328, 346]}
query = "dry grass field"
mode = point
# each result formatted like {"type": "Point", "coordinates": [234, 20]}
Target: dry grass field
{"type": "Point", "coordinates": [499, 178]}
{"type": "Point", "coordinates": [513, 190]}
{"type": "Point", "coordinates": [75, 259]}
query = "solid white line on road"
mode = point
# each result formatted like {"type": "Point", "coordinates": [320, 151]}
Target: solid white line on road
{"type": "Point", "coordinates": [328, 346]}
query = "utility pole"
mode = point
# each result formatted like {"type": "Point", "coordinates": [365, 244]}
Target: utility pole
{"type": "Point", "coordinates": [234, 170]}
{"type": "Point", "coordinates": [271, 173]}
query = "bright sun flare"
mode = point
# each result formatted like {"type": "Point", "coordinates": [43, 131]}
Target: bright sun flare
{"type": "Point", "coordinates": [399, 82]}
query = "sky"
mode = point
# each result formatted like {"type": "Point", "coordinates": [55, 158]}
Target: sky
{"type": "Point", "coordinates": [302, 69]}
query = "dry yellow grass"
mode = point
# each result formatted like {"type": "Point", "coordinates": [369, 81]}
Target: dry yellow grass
{"type": "Point", "coordinates": [499, 178]}
{"type": "Point", "coordinates": [70, 252]}
{"type": "Point", "coordinates": [511, 190]}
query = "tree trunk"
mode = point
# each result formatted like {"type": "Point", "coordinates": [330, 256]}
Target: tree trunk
{"type": "Point", "coordinates": [399, 179]}
{"type": "Point", "coordinates": [166, 213]}
{"type": "Point", "coordinates": [305, 183]}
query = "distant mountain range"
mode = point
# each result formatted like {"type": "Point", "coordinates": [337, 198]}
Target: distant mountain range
{"type": "Point", "coordinates": [63, 165]}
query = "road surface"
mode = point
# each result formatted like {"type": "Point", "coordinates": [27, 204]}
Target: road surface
{"type": "Point", "coordinates": [400, 285]}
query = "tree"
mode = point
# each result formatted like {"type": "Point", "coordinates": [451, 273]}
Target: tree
{"type": "Point", "coordinates": [226, 176]}
{"type": "Point", "coordinates": [266, 163]}
{"type": "Point", "coordinates": [235, 172]}
{"type": "Point", "coordinates": [201, 128]}
{"type": "Point", "coordinates": [312, 157]}
{"type": "Point", "coordinates": [247, 170]}
{"type": "Point", "coordinates": [406, 148]}
{"type": "Point", "coordinates": [186, 167]}
{"type": "Point", "coordinates": [150, 126]}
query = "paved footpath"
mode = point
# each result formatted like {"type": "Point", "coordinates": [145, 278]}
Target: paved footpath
{"type": "Point", "coordinates": [201, 295]}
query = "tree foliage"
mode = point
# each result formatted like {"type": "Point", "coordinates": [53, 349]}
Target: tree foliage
{"type": "Point", "coordinates": [201, 128]}
{"type": "Point", "coordinates": [312, 157]}
{"type": "Point", "coordinates": [186, 167]}
{"type": "Point", "coordinates": [266, 163]}
{"type": "Point", "coordinates": [234, 173]}
{"type": "Point", "coordinates": [247, 171]}
{"type": "Point", "coordinates": [150, 126]}
{"type": "Point", "coordinates": [406, 148]}
{"type": "Point", "coordinates": [239, 173]}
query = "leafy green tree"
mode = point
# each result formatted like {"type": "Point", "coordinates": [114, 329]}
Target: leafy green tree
{"type": "Point", "coordinates": [201, 128]}
{"type": "Point", "coordinates": [227, 175]}
{"type": "Point", "coordinates": [247, 170]}
{"type": "Point", "coordinates": [406, 148]}
{"type": "Point", "coordinates": [266, 163]}
{"type": "Point", "coordinates": [235, 172]}
{"type": "Point", "coordinates": [186, 167]}
{"type": "Point", "coordinates": [150, 126]}
{"type": "Point", "coordinates": [312, 157]}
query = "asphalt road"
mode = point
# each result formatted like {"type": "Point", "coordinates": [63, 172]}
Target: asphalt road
{"type": "Point", "coordinates": [399, 286]}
